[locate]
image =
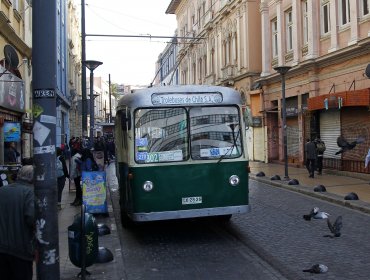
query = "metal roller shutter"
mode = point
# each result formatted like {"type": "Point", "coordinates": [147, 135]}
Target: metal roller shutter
{"type": "Point", "coordinates": [293, 138]}
{"type": "Point", "coordinates": [329, 132]}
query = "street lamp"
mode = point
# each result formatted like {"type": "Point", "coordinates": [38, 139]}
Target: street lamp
{"type": "Point", "coordinates": [282, 70]}
{"type": "Point", "coordinates": [92, 65]}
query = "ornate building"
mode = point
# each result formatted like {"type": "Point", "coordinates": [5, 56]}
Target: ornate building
{"type": "Point", "coordinates": [327, 45]}
{"type": "Point", "coordinates": [220, 44]}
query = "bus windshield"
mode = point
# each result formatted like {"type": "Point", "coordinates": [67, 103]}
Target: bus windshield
{"type": "Point", "coordinates": [162, 134]}
{"type": "Point", "coordinates": [215, 132]}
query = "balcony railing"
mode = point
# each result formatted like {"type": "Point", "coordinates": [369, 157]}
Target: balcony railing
{"type": "Point", "coordinates": [228, 72]}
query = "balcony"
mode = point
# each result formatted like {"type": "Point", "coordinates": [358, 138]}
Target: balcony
{"type": "Point", "coordinates": [228, 72]}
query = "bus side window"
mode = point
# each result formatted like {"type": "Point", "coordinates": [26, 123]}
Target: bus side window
{"type": "Point", "coordinates": [126, 119]}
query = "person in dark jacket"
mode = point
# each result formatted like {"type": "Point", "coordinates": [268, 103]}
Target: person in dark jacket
{"type": "Point", "coordinates": [10, 153]}
{"type": "Point", "coordinates": [17, 227]}
{"type": "Point", "coordinates": [310, 149]}
{"type": "Point", "coordinates": [320, 149]}
{"type": "Point", "coordinates": [62, 174]}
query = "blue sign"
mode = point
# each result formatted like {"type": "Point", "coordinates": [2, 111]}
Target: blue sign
{"type": "Point", "coordinates": [94, 191]}
{"type": "Point", "coordinates": [12, 132]}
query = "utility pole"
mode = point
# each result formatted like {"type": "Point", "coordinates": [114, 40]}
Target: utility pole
{"type": "Point", "coordinates": [110, 101]}
{"type": "Point", "coordinates": [45, 42]}
{"type": "Point", "coordinates": [83, 70]}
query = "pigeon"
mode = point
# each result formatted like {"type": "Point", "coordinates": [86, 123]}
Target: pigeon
{"type": "Point", "coordinates": [345, 145]}
{"type": "Point", "coordinates": [321, 215]}
{"type": "Point", "coordinates": [317, 268]}
{"type": "Point", "coordinates": [335, 228]}
{"type": "Point", "coordinates": [313, 212]}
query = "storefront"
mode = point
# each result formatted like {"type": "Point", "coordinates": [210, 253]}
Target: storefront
{"type": "Point", "coordinates": [344, 114]}
{"type": "Point", "coordinates": [12, 108]}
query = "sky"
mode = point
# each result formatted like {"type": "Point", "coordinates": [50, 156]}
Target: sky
{"type": "Point", "coordinates": [129, 61]}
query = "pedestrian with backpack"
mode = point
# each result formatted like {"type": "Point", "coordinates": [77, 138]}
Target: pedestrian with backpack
{"type": "Point", "coordinates": [320, 149]}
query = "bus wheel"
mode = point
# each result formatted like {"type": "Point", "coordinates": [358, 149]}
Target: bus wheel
{"type": "Point", "coordinates": [224, 218]}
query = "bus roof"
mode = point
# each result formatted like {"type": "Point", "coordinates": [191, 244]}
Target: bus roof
{"type": "Point", "coordinates": [179, 96]}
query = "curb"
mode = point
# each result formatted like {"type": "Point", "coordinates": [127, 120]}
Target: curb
{"type": "Point", "coordinates": [330, 197]}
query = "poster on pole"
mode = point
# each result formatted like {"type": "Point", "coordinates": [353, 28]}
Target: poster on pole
{"type": "Point", "coordinates": [94, 192]}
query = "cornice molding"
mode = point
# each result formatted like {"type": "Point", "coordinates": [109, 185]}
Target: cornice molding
{"type": "Point", "coordinates": [11, 36]}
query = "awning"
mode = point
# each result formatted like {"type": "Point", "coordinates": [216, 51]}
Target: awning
{"type": "Point", "coordinates": [338, 100]}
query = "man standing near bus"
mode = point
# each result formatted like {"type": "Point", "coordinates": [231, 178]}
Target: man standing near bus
{"type": "Point", "coordinates": [311, 154]}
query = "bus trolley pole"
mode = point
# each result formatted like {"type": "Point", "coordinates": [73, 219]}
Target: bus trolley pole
{"type": "Point", "coordinates": [44, 66]}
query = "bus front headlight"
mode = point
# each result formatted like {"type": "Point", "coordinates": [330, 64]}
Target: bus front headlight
{"type": "Point", "coordinates": [148, 186]}
{"type": "Point", "coordinates": [234, 180]}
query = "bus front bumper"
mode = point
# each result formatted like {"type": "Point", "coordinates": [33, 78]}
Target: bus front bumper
{"type": "Point", "coordinates": [191, 213]}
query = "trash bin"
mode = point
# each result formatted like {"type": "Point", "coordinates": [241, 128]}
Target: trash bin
{"type": "Point", "coordinates": [74, 240]}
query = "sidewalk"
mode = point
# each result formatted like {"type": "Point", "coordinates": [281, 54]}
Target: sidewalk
{"type": "Point", "coordinates": [337, 184]}
{"type": "Point", "coordinates": [112, 270]}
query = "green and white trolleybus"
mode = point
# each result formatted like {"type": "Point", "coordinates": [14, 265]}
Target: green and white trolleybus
{"type": "Point", "coordinates": [181, 153]}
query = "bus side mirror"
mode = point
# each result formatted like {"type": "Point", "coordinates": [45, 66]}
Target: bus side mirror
{"type": "Point", "coordinates": [126, 121]}
{"type": "Point", "coordinates": [247, 118]}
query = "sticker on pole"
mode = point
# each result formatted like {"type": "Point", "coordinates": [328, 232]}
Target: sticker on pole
{"type": "Point", "coordinates": [43, 93]}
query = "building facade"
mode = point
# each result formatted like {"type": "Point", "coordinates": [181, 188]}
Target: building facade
{"type": "Point", "coordinates": [326, 43]}
{"type": "Point", "coordinates": [220, 44]}
{"type": "Point", "coordinates": [167, 72]}
{"type": "Point", "coordinates": [101, 104]}
{"type": "Point", "coordinates": [63, 90]}
{"type": "Point", "coordinates": [15, 77]}
{"type": "Point", "coordinates": [74, 67]}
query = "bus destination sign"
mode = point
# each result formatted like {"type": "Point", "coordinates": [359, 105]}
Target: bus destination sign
{"type": "Point", "coordinates": [186, 99]}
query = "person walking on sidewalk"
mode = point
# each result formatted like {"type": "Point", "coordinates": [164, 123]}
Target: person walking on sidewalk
{"type": "Point", "coordinates": [311, 155]}
{"type": "Point", "coordinates": [75, 174]}
{"type": "Point", "coordinates": [62, 174]}
{"type": "Point", "coordinates": [17, 227]}
{"type": "Point", "coordinates": [320, 149]}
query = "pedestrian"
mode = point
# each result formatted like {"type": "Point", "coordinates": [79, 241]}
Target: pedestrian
{"type": "Point", "coordinates": [62, 174]}
{"type": "Point", "coordinates": [87, 162]}
{"type": "Point", "coordinates": [320, 149]}
{"type": "Point", "coordinates": [75, 174]}
{"type": "Point", "coordinates": [311, 155]}
{"type": "Point", "coordinates": [17, 227]}
{"type": "Point", "coordinates": [10, 153]}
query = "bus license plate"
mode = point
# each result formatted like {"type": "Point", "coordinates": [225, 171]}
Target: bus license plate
{"type": "Point", "coordinates": [192, 200]}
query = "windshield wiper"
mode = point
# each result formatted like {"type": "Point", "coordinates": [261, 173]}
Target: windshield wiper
{"type": "Point", "coordinates": [235, 139]}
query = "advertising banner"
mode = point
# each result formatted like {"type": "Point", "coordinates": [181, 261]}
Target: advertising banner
{"type": "Point", "coordinates": [94, 192]}
{"type": "Point", "coordinates": [12, 132]}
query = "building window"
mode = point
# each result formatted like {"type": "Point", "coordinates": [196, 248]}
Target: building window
{"type": "Point", "coordinates": [200, 70]}
{"type": "Point", "coordinates": [235, 48]}
{"type": "Point", "coordinates": [274, 38]}
{"type": "Point", "coordinates": [205, 65]}
{"type": "Point", "coordinates": [194, 70]}
{"type": "Point", "coordinates": [344, 11]}
{"type": "Point", "coordinates": [212, 61]}
{"type": "Point", "coordinates": [289, 30]}
{"type": "Point", "coordinates": [365, 7]}
{"type": "Point", "coordinates": [325, 17]}
{"type": "Point", "coordinates": [229, 50]}
{"type": "Point", "coordinates": [305, 22]}
{"type": "Point", "coordinates": [15, 4]}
